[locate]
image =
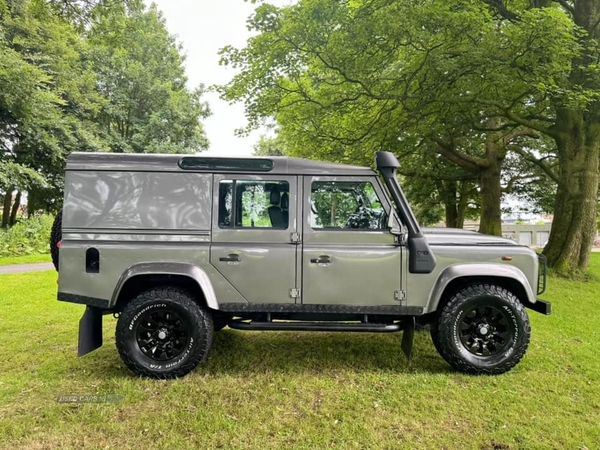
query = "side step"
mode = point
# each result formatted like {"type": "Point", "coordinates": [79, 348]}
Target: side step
{"type": "Point", "coordinates": [407, 337]}
{"type": "Point", "coordinates": [317, 326]}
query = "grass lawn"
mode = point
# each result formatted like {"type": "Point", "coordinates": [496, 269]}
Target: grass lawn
{"type": "Point", "coordinates": [44, 257]}
{"type": "Point", "coordinates": [276, 390]}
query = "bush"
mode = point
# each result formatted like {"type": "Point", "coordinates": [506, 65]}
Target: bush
{"type": "Point", "coordinates": [27, 237]}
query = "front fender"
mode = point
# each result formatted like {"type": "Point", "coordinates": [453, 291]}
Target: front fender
{"type": "Point", "coordinates": [169, 268]}
{"type": "Point", "coordinates": [473, 271]}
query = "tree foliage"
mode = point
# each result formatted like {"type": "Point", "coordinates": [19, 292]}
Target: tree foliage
{"type": "Point", "coordinates": [480, 81]}
{"type": "Point", "coordinates": [86, 75]}
{"type": "Point", "coordinates": [48, 98]}
{"type": "Point", "coordinates": [140, 73]}
{"type": "Point", "coordinates": [270, 146]}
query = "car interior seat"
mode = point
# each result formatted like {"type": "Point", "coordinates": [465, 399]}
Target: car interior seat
{"type": "Point", "coordinates": [275, 212]}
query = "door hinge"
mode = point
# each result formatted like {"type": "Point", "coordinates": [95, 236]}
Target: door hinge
{"type": "Point", "coordinates": [399, 239]}
{"type": "Point", "coordinates": [295, 293]}
{"type": "Point", "coordinates": [295, 237]}
{"type": "Point", "coordinates": [400, 296]}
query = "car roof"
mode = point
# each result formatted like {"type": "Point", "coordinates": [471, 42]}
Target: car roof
{"type": "Point", "coordinates": [153, 162]}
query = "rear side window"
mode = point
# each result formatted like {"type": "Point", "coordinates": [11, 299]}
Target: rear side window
{"type": "Point", "coordinates": [346, 205]}
{"type": "Point", "coordinates": [253, 204]}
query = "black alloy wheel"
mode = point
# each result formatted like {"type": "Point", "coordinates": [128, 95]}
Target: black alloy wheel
{"type": "Point", "coordinates": [162, 335]}
{"type": "Point", "coordinates": [486, 330]}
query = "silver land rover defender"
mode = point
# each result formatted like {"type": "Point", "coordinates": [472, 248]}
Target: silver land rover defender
{"type": "Point", "coordinates": [179, 247]}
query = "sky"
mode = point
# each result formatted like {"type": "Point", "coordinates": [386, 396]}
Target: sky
{"type": "Point", "coordinates": [203, 27]}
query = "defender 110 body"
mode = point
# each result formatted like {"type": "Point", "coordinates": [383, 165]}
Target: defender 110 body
{"type": "Point", "coordinates": [182, 246]}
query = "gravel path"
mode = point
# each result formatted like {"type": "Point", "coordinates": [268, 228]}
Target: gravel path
{"type": "Point", "coordinates": [17, 268]}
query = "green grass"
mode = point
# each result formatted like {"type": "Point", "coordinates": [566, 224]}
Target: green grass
{"type": "Point", "coordinates": [298, 390]}
{"type": "Point", "coordinates": [44, 257]}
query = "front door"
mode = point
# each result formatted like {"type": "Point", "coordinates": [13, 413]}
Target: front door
{"type": "Point", "coordinates": [349, 257]}
{"type": "Point", "coordinates": [254, 218]}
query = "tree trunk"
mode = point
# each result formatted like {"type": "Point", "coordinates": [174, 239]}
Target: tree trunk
{"type": "Point", "coordinates": [450, 205]}
{"type": "Point", "coordinates": [15, 209]}
{"type": "Point", "coordinates": [451, 216]}
{"type": "Point", "coordinates": [491, 196]}
{"type": "Point", "coordinates": [574, 226]}
{"type": "Point", "coordinates": [463, 202]}
{"type": "Point", "coordinates": [6, 209]}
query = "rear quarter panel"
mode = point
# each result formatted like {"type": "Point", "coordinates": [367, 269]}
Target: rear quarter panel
{"type": "Point", "coordinates": [132, 218]}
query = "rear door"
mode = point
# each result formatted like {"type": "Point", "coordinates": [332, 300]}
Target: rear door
{"type": "Point", "coordinates": [254, 218]}
{"type": "Point", "coordinates": [349, 257]}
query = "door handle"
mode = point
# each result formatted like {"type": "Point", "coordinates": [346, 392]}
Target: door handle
{"type": "Point", "coordinates": [232, 257]}
{"type": "Point", "coordinates": [323, 259]}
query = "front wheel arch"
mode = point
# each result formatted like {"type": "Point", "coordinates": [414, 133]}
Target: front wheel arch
{"type": "Point", "coordinates": [455, 285]}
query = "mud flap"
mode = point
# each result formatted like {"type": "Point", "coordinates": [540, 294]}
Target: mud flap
{"type": "Point", "coordinates": [408, 337]}
{"type": "Point", "coordinates": [90, 331]}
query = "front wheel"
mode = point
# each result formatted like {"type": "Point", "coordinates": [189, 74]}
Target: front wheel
{"type": "Point", "coordinates": [482, 329]}
{"type": "Point", "coordinates": [163, 333]}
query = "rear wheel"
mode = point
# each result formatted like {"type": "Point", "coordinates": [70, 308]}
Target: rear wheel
{"type": "Point", "coordinates": [163, 333]}
{"type": "Point", "coordinates": [482, 329]}
{"type": "Point", "coordinates": [55, 238]}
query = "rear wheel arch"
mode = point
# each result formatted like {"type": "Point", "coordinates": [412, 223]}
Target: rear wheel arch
{"type": "Point", "coordinates": [137, 284]}
{"type": "Point", "coordinates": [144, 276]}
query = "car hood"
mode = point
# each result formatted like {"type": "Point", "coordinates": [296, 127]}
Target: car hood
{"type": "Point", "coordinates": [458, 236]}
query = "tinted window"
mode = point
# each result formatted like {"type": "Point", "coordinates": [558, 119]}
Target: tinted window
{"type": "Point", "coordinates": [258, 204]}
{"type": "Point", "coordinates": [346, 205]}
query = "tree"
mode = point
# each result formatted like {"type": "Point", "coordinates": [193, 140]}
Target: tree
{"type": "Point", "coordinates": [47, 100]}
{"type": "Point", "coordinates": [439, 190]}
{"type": "Point", "coordinates": [86, 75]}
{"type": "Point", "coordinates": [14, 176]}
{"type": "Point", "coordinates": [269, 146]}
{"type": "Point", "coordinates": [140, 72]}
{"type": "Point", "coordinates": [471, 76]}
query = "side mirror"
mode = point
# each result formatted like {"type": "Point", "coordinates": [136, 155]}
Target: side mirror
{"type": "Point", "coordinates": [392, 225]}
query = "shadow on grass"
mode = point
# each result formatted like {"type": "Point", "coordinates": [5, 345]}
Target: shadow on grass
{"type": "Point", "coordinates": [237, 353]}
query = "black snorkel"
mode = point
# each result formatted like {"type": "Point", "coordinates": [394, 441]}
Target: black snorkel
{"type": "Point", "coordinates": [420, 257]}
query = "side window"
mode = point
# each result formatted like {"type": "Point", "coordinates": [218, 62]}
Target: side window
{"type": "Point", "coordinates": [253, 204]}
{"type": "Point", "coordinates": [346, 205]}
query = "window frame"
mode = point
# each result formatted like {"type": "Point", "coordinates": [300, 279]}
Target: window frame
{"type": "Point", "coordinates": [234, 179]}
{"type": "Point", "coordinates": [377, 188]}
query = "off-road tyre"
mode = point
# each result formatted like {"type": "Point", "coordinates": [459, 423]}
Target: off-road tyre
{"type": "Point", "coordinates": [161, 309]}
{"type": "Point", "coordinates": [55, 238]}
{"type": "Point", "coordinates": [501, 316]}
